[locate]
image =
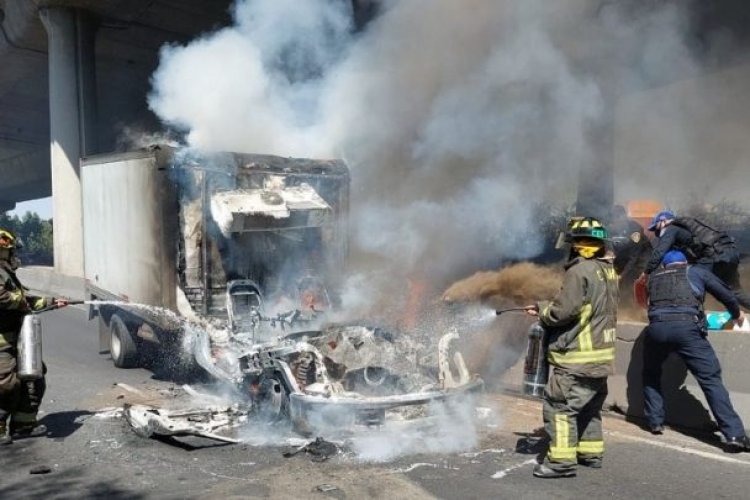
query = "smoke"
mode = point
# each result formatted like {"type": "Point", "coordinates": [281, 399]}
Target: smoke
{"type": "Point", "coordinates": [450, 116]}
{"type": "Point", "coordinates": [519, 284]}
{"type": "Point", "coordinates": [457, 118]}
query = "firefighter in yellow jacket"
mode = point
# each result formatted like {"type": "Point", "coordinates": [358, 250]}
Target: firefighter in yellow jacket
{"type": "Point", "coordinates": [19, 400]}
{"type": "Point", "coordinates": [580, 324]}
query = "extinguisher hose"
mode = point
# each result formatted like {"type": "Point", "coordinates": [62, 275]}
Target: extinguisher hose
{"type": "Point", "coordinates": [53, 307]}
{"type": "Point", "coordinates": [512, 309]}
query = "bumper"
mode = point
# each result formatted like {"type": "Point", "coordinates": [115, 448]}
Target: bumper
{"type": "Point", "coordinates": [310, 413]}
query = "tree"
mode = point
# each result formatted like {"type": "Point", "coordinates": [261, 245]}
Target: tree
{"type": "Point", "coordinates": [34, 233]}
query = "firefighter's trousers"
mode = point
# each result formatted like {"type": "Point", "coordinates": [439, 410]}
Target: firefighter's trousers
{"type": "Point", "coordinates": [572, 418]}
{"type": "Point", "coordinates": [19, 399]}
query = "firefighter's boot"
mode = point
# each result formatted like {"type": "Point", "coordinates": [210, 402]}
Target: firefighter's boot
{"type": "Point", "coordinates": [547, 472]}
{"type": "Point", "coordinates": [29, 430]}
{"type": "Point", "coordinates": [591, 462]}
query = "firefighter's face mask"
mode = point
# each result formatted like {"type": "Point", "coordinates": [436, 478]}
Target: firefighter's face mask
{"type": "Point", "coordinates": [588, 248]}
{"type": "Point", "coordinates": [5, 254]}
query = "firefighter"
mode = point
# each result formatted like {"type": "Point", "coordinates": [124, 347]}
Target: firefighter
{"type": "Point", "coordinates": [677, 324]}
{"type": "Point", "coordinates": [580, 324]}
{"type": "Point", "coordinates": [19, 399]}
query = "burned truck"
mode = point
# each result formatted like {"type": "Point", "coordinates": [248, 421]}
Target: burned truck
{"type": "Point", "coordinates": [241, 243]}
{"type": "Point", "coordinates": [234, 260]}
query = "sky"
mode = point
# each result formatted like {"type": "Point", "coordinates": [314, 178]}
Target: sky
{"type": "Point", "coordinates": [42, 206]}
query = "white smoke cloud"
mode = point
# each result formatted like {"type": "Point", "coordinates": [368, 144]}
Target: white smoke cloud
{"type": "Point", "coordinates": [456, 117]}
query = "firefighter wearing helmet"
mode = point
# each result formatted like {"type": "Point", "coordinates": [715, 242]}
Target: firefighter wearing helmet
{"type": "Point", "coordinates": [19, 399]}
{"type": "Point", "coordinates": [580, 326]}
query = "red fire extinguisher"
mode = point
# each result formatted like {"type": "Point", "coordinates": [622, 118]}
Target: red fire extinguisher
{"type": "Point", "coordinates": [640, 291]}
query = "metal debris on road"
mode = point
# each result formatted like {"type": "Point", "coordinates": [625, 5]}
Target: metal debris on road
{"type": "Point", "coordinates": [320, 449]}
{"type": "Point", "coordinates": [147, 422]}
{"type": "Point", "coordinates": [325, 488]}
{"type": "Point", "coordinates": [40, 469]}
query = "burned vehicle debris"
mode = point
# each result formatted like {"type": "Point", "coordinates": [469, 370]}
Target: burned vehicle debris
{"type": "Point", "coordinates": [340, 377]}
{"type": "Point", "coordinates": [331, 382]}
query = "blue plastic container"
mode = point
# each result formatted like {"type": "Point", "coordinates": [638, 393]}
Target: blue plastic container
{"type": "Point", "coordinates": [716, 319]}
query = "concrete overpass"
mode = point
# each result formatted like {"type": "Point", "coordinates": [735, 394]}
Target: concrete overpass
{"type": "Point", "coordinates": [74, 72]}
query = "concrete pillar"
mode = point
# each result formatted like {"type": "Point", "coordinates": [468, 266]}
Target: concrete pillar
{"type": "Point", "coordinates": [596, 178]}
{"type": "Point", "coordinates": [72, 103]}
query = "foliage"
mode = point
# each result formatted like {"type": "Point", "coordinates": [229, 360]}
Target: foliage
{"type": "Point", "coordinates": [726, 215]}
{"type": "Point", "coordinates": [36, 235]}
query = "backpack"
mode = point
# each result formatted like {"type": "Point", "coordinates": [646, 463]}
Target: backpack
{"type": "Point", "coordinates": [707, 241]}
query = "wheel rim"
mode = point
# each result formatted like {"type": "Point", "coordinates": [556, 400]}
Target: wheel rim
{"type": "Point", "coordinates": [115, 346]}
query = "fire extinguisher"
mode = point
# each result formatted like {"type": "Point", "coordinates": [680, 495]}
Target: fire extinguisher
{"type": "Point", "coordinates": [536, 367]}
{"type": "Point", "coordinates": [30, 365]}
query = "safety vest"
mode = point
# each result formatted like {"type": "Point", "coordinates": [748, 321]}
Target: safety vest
{"type": "Point", "coordinates": [670, 287]}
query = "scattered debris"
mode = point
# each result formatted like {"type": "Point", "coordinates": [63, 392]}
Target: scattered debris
{"type": "Point", "coordinates": [475, 454]}
{"type": "Point", "coordinates": [130, 388]}
{"type": "Point", "coordinates": [107, 413]}
{"type": "Point", "coordinates": [325, 488]}
{"type": "Point", "coordinates": [147, 422]}
{"type": "Point", "coordinates": [320, 449]}
{"type": "Point", "coordinates": [417, 465]}
{"type": "Point", "coordinates": [40, 469]}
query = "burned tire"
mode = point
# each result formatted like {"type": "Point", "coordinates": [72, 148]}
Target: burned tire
{"type": "Point", "coordinates": [122, 347]}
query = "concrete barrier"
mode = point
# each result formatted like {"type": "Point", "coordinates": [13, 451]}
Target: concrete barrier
{"type": "Point", "coordinates": [684, 401]}
{"type": "Point", "coordinates": [47, 281]}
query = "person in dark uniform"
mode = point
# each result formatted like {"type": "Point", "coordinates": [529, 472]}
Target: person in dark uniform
{"type": "Point", "coordinates": [714, 250]}
{"type": "Point", "coordinates": [632, 250]}
{"type": "Point", "coordinates": [677, 324]}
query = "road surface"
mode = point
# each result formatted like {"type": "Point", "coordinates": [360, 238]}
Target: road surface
{"type": "Point", "coordinates": [92, 454]}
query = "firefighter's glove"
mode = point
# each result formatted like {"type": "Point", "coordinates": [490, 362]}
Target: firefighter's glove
{"type": "Point", "coordinates": [532, 310]}
{"type": "Point", "coordinates": [36, 303]}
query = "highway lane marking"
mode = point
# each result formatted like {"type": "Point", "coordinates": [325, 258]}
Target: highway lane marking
{"type": "Point", "coordinates": [682, 449]}
{"type": "Point", "coordinates": [502, 473]}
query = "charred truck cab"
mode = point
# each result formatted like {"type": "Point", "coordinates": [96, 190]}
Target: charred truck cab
{"type": "Point", "coordinates": [237, 241]}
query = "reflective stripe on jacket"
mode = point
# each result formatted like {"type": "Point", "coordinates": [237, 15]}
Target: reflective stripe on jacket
{"type": "Point", "coordinates": [581, 321]}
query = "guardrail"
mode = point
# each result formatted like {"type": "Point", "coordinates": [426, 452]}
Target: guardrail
{"type": "Point", "coordinates": [47, 281]}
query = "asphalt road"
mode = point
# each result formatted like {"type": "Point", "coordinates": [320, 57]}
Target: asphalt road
{"type": "Point", "coordinates": [91, 455]}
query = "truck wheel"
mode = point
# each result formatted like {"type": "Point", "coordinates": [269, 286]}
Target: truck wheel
{"type": "Point", "coordinates": [121, 344]}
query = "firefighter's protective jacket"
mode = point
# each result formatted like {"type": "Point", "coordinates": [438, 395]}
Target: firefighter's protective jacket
{"type": "Point", "coordinates": [581, 321]}
{"type": "Point", "coordinates": [15, 303]}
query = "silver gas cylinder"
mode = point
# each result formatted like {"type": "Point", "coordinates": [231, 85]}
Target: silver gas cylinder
{"type": "Point", "coordinates": [30, 365]}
